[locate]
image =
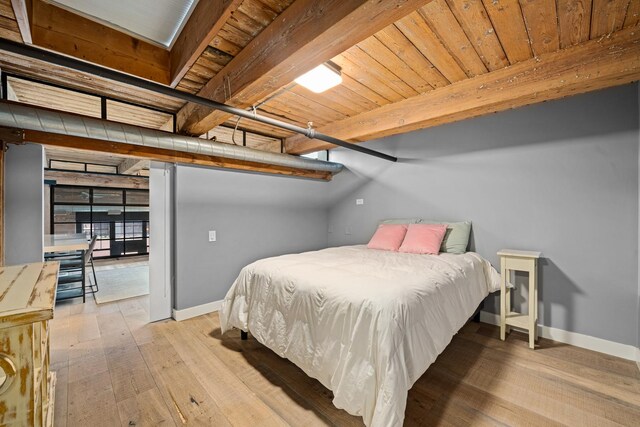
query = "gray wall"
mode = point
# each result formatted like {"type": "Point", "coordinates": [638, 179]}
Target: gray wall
{"type": "Point", "coordinates": [255, 216]}
{"type": "Point", "coordinates": [559, 177]}
{"type": "Point", "coordinates": [23, 204]}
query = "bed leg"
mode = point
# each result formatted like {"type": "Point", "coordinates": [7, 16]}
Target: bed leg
{"type": "Point", "coordinates": [243, 335]}
{"type": "Point", "coordinates": [476, 317]}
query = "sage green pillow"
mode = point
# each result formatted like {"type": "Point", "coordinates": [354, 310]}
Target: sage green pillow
{"type": "Point", "coordinates": [456, 238]}
{"type": "Point", "coordinates": [401, 221]}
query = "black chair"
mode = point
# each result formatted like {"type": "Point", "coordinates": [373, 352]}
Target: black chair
{"type": "Point", "coordinates": [72, 276]}
{"type": "Point", "coordinates": [88, 259]}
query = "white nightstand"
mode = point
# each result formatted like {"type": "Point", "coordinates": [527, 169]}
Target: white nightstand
{"type": "Point", "coordinates": [527, 261]}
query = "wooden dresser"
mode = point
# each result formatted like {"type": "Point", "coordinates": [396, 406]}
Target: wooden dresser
{"type": "Point", "coordinates": [27, 297]}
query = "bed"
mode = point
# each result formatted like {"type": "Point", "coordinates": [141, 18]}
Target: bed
{"type": "Point", "coordinates": [366, 323]}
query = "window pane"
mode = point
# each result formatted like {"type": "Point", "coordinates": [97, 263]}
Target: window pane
{"type": "Point", "coordinates": [71, 166]}
{"type": "Point", "coordinates": [108, 213]}
{"type": "Point", "coordinates": [70, 195]}
{"type": "Point", "coordinates": [101, 212]}
{"type": "Point", "coordinates": [139, 116]}
{"type": "Point", "coordinates": [134, 230]}
{"type": "Point", "coordinates": [101, 168]}
{"type": "Point", "coordinates": [137, 213]}
{"type": "Point", "coordinates": [56, 98]}
{"type": "Point", "coordinates": [65, 229]}
{"type": "Point", "coordinates": [101, 230]}
{"type": "Point", "coordinates": [119, 230]}
{"type": "Point", "coordinates": [107, 196]}
{"type": "Point", "coordinates": [137, 197]}
{"type": "Point", "coordinates": [70, 213]}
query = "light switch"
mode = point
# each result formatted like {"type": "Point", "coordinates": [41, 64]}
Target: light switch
{"type": "Point", "coordinates": [359, 201]}
{"type": "Point", "coordinates": [212, 235]}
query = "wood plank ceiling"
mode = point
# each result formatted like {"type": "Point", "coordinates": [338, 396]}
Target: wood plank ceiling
{"type": "Point", "coordinates": [441, 43]}
{"type": "Point", "coordinates": [429, 52]}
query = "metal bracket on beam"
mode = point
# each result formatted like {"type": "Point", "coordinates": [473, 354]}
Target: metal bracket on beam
{"type": "Point", "coordinates": [11, 136]}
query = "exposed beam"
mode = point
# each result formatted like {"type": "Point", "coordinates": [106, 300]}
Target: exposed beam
{"type": "Point", "coordinates": [22, 10]}
{"type": "Point", "coordinates": [59, 30]}
{"type": "Point", "coordinates": [130, 166]}
{"type": "Point", "coordinates": [65, 61]}
{"type": "Point", "coordinates": [306, 34]}
{"type": "Point", "coordinates": [206, 20]}
{"type": "Point", "coordinates": [590, 66]}
{"type": "Point", "coordinates": [2, 145]}
{"type": "Point", "coordinates": [163, 155]}
{"type": "Point", "coordinates": [96, 179]}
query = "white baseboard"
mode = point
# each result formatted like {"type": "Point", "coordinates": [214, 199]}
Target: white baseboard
{"type": "Point", "coordinates": [198, 310]}
{"type": "Point", "coordinates": [579, 340]}
{"type": "Point", "coordinates": [638, 357]}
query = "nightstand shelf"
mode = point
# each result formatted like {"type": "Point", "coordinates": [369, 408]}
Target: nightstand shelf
{"type": "Point", "coordinates": [526, 261]}
{"type": "Point", "coordinates": [517, 320]}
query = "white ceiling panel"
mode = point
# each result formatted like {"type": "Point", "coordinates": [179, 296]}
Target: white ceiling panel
{"type": "Point", "coordinates": [157, 21]}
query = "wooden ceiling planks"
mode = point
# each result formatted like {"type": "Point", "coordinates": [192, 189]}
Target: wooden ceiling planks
{"type": "Point", "coordinates": [398, 43]}
{"type": "Point", "coordinates": [362, 61]}
{"type": "Point", "coordinates": [306, 34]}
{"type": "Point", "coordinates": [383, 55]}
{"type": "Point", "coordinates": [440, 43]}
{"type": "Point", "coordinates": [427, 42]}
{"type": "Point", "coordinates": [508, 24]}
{"type": "Point", "coordinates": [542, 25]}
{"type": "Point", "coordinates": [475, 22]}
{"type": "Point", "coordinates": [204, 23]}
{"type": "Point", "coordinates": [633, 14]}
{"type": "Point", "coordinates": [8, 25]}
{"type": "Point", "coordinates": [608, 16]}
{"type": "Point", "coordinates": [593, 65]}
{"type": "Point", "coordinates": [443, 42]}
{"type": "Point", "coordinates": [442, 20]}
{"type": "Point", "coordinates": [574, 19]}
{"type": "Point", "coordinates": [246, 22]}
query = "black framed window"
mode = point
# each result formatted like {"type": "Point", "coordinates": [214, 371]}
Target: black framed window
{"type": "Point", "coordinates": [118, 217]}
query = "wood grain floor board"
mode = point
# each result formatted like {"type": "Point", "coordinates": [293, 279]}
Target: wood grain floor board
{"type": "Point", "coordinates": [115, 368]}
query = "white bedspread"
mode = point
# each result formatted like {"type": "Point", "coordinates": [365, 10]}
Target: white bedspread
{"type": "Point", "coordinates": [366, 323]}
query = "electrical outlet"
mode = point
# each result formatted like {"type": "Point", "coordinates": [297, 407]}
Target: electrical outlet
{"type": "Point", "coordinates": [359, 201]}
{"type": "Point", "coordinates": [212, 235]}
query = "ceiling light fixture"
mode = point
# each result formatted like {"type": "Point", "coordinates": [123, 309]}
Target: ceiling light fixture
{"type": "Point", "coordinates": [323, 77]}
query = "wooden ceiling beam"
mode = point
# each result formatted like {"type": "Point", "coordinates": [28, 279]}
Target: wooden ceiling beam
{"type": "Point", "coordinates": [592, 65]}
{"type": "Point", "coordinates": [57, 29]}
{"type": "Point", "coordinates": [303, 36]}
{"type": "Point", "coordinates": [207, 19]}
{"type": "Point", "coordinates": [89, 179]}
{"type": "Point", "coordinates": [22, 10]}
{"type": "Point", "coordinates": [158, 154]}
{"type": "Point", "coordinates": [130, 166]}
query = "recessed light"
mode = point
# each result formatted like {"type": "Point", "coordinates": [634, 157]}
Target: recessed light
{"type": "Point", "coordinates": [323, 77]}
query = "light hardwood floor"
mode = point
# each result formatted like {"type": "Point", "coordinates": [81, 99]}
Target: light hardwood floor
{"type": "Point", "coordinates": [115, 369]}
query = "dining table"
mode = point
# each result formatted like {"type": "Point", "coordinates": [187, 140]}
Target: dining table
{"type": "Point", "coordinates": [65, 242]}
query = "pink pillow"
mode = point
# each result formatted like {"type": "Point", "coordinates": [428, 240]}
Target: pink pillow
{"type": "Point", "coordinates": [423, 238]}
{"type": "Point", "coordinates": [388, 237]}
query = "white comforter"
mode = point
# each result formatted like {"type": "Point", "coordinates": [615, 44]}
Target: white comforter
{"type": "Point", "coordinates": [366, 323]}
